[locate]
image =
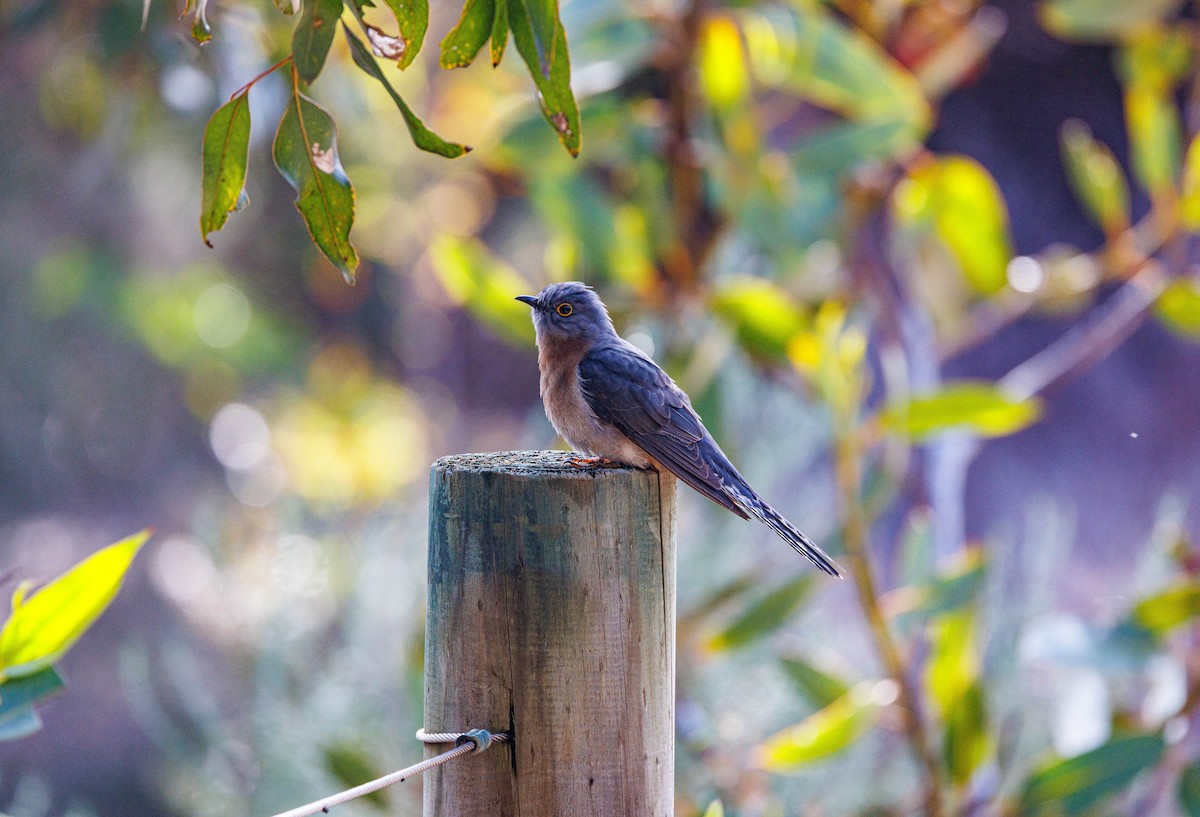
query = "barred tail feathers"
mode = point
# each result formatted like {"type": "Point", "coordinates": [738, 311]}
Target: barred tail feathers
{"type": "Point", "coordinates": [763, 512]}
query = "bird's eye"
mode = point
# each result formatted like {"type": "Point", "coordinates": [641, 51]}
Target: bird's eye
{"type": "Point", "coordinates": [565, 310]}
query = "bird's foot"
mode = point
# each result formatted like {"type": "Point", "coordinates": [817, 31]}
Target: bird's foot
{"type": "Point", "coordinates": [593, 462]}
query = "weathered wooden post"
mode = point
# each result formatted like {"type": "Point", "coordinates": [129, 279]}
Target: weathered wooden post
{"type": "Point", "coordinates": [551, 614]}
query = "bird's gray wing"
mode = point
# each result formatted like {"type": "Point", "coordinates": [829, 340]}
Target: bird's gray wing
{"type": "Point", "coordinates": [630, 392]}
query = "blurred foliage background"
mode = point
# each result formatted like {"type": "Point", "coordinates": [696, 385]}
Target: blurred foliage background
{"type": "Point", "coordinates": [927, 268]}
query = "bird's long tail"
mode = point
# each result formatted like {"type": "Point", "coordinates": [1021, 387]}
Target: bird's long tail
{"type": "Point", "coordinates": [756, 507]}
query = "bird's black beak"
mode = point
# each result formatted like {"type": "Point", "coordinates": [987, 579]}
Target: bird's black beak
{"type": "Point", "coordinates": [528, 299]}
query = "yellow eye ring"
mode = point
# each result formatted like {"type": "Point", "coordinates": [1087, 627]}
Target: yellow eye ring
{"type": "Point", "coordinates": [565, 310]}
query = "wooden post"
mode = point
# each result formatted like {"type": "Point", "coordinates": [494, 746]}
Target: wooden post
{"type": "Point", "coordinates": [551, 614]}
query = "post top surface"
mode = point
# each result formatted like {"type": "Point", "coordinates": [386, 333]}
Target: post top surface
{"type": "Point", "coordinates": [529, 464]}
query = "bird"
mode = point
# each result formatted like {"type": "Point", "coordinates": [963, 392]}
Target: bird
{"type": "Point", "coordinates": [609, 399]}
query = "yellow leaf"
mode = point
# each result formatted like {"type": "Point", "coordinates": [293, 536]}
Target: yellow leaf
{"type": "Point", "coordinates": [44, 625]}
{"type": "Point", "coordinates": [485, 286]}
{"type": "Point", "coordinates": [979, 406]}
{"type": "Point", "coordinates": [824, 733]}
{"type": "Point", "coordinates": [723, 73]}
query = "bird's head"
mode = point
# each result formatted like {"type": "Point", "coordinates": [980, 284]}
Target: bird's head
{"type": "Point", "coordinates": [569, 313]}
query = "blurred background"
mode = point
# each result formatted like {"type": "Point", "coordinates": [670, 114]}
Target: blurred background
{"type": "Point", "coordinates": [926, 268]}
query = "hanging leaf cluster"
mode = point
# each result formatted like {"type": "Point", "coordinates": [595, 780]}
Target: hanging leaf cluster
{"type": "Point", "coordinates": [305, 147]}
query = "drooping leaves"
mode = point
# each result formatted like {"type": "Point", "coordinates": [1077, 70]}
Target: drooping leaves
{"type": "Point", "coordinates": [223, 176]}
{"type": "Point", "coordinates": [313, 36]}
{"type": "Point", "coordinates": [547, 32]}
{"type": "Point", "coordinates": [44, 625]}
{"type": "Point", "coordinates": [473, 29]}
{"type": "Point", "coordinates": [422, 136]}
{"type": "Point", "coordinates": [413, 19]}
{"type": "Point", "coordinates": [553, 80]}
{"type": "Point", "coordinates": [305, 152]}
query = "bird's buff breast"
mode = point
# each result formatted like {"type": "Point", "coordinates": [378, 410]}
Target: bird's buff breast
{"type": "Point", "coordinates": [573, 418]}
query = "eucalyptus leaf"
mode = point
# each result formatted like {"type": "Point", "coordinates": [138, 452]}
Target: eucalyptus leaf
{"type": "Point", "coordinates": [499, 32]}
{"type": "Point", "coordinates": [422, 137]}
{"type": "Point", "coordinates": [223, 177]}
{"type": "Point", "coordinates": [473, 29]}
{"type": "Point", "coordinates": [305, 153]}
{"type": "Point", "coordinates": [979, 406]}
{"type": "Point", "coordinates": [43, 625]}
{"type": "Point", "coordinates": [553, 85]}
{"type": "Point", "coordinates": [1096, 177]}
{"type": "Point", "coordinates": [764, 616]}
{"type": "Point", "coordinates": [1073, 786]}
{"type": "Point", "coordinates": [820, 735]}
{"type": "Point", "coordinates": [1179, 306]}
{"type": "Point", "coordinates": [1102, 20]}
{"type": "Point", "coordinates": [819, 686]}
{"type": "Point", "coordinates": [413, 19]}
{"type": "Point", "coordinates": [484, 285]}
{"type": "Point", "coordinates": [764, 317]}
{"type": "Point", "coordinates": [313, 36]}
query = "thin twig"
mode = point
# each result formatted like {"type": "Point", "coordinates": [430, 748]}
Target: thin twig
{"type": "Point", "coordinates": [858, 558]}
{"type": "Point", "coordinates": [274, 67]}
{"type": "Point", "coordinates": [1093, 339]}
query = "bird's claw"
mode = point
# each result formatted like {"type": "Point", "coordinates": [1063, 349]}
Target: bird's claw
{"type": "Point", "coordinates": [593, 462]}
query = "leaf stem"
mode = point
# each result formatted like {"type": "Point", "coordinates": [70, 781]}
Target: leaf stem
{"type": "Point", "coordinates": [274, 67]}
{"type": "Point", "coordinates": [855, 530]}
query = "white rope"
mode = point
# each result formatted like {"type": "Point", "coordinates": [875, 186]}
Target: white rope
{"type": "Point", "coordinates": [468, 742]}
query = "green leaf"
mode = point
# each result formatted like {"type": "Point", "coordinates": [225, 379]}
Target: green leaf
{"type": "Point", "coordinates": [351, 766]}
{"type": "Point", "coordinates": [1156, 138]}
{"type": "Point", "coordinates": [413, 18]}
{"type": "Point", "coordinates": [499, 32]}
{"type": "Point", "coordinates": [820, 735]}
{"type": "Point", "coordinates": [821, 688]}
{"type": "Point", "coordinates": [1165, 611]}
{"type": "Point", "coordinates": [314, 35]}
{"type": "Point", "coordinates": [764, 317]}
{"type": "Point", "coordinates": [223, 178]}
{"type": "Point", "coordinates": [1102, 20]}
{"type": "Point", "coordinates": [715, 809]}
{"type": "Point", "coordinates": [17, 698]}
{"type": "Point", "coordinates": [958, 198]}
{"type": "Point", "coordinates": [967, 742]}
{"type": "Point", "coordinates": [484, 285]}
{"type": "Point", "coordinates": [422, 137]}
{"type": "Point", "coordinates": [466, 38]}
{"type": "Point", "coordinates": [764, 616]}
{"type": "Point", "coordinates": [979, 406]}
{"type": "Point", "coordinates": [953, 665]}
{"type": "Point", "coordinates": [1189, 790]}
{"type": "Point", "coordinates": [836, 66]}
{"type": "Point", "coordinates": [43, 626]}
{"type": "Point", "coordinates": [1189, 203]}
{"type": "Point", "coordinates": [1179, 306]}
{"type": "Point", "coordinates": [547, 31]}
{"type": "Point", "coordinates": [954, 588]}
{"type": "Point", "coordinates": [554, 85]}
{"type": "Point", "coordinates": [1073, 786]}
{"type": "Point", "coordinates": [1097, 179]}
{"type": "Point", "coordinates": [305, 152]}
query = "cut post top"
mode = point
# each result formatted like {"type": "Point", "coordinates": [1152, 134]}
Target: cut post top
{"type": "Point", "coordinates": [531, 464]}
